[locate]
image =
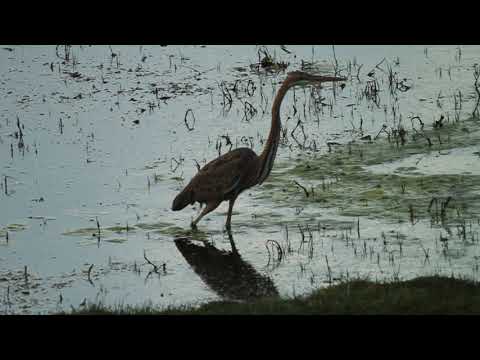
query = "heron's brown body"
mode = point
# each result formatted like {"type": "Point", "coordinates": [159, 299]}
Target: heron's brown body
{"type": "Point", "coordinates": [230, 174]}
{"type": "Point", "coordinates": [221, 179]}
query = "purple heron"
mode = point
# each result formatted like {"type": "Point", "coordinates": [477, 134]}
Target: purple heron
{"type": "Point", "coordinates": [225, 177]}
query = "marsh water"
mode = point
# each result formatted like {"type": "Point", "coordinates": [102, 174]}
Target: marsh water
{"type": "Point", "coordinates": [375, 178]}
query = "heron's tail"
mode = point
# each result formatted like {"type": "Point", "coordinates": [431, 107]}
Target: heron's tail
{"type": "Point", "coordinates": [183, 199]}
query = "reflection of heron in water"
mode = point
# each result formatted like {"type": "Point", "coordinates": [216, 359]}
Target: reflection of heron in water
{"type": "Point", "coordinates": [226, 272]}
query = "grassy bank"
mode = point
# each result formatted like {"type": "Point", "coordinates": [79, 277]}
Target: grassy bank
{"type": "Point", "coordinates": [425, 295]}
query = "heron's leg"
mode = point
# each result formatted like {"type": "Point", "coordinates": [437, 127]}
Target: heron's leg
{"type": "Point", "coordinates": [232, 243]}
{"type": "Point", "coordinates": [208, 208]}
{"type": "Point", "coordinates": [229, 216]}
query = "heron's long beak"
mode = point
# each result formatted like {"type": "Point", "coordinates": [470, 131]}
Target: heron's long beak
{"type": "Point", "coordinates": [320, 78]}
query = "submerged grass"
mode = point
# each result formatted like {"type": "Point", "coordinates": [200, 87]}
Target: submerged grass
{"type": "Point", "coordinates": [12, 227]}
{"type": "Point", "coordinates": [340, 179]}
{"type": "Point", "coordinates": [423, 295]}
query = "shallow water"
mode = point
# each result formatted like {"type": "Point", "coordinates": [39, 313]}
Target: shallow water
{"type": "Point", "coordinates": [455, 161]}
{"type": "Point", "coordinates": [108, 139]}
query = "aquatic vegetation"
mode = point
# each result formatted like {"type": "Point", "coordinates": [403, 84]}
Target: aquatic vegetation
{"type": "Point", "coordinates": [341, 179]}
{"type": "Point", "coordinates": [81, 232]}
{"type": "Point", "coordinates": [11, 228]}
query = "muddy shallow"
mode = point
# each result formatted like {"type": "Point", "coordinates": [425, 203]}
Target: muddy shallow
{"type": "Point", "coordinates": [94, 133]}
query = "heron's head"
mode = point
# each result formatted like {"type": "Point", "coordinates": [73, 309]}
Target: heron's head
{"type": "Point", "coordinates": [303, 78]}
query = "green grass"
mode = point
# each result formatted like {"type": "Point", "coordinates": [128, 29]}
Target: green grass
{"type": "Point", "coordinates": [424, 295]}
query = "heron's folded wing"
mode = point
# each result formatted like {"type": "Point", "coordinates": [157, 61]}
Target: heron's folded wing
{"type": "Point", "coordinates": [222, 176]}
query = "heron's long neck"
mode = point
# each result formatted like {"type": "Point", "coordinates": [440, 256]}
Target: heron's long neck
{"type": "Point", "coordinates": [269, 152]}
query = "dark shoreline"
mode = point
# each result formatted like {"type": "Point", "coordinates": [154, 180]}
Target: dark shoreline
{"type": "Point", "coordinates": [423, 295]}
